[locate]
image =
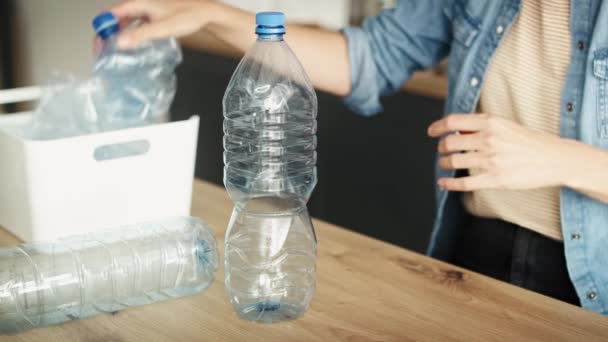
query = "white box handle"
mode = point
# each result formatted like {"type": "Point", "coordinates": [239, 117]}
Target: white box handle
{"type": "Point", "coordinates": [91, 149]}
{"type": "Point", "coordinates": [121, 150]}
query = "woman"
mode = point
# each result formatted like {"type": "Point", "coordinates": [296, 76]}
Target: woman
{"type": "Point", "coordinates": [522, 183]}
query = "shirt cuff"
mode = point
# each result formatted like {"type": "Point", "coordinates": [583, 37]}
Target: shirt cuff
{"type": "Point", "coordinates": [364, 98]}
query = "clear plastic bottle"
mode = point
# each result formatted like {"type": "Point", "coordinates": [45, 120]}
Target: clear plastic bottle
{"type": "Point", "coordinates": [138, 84]}
{"type": "Point", "coordinates": [48, 283]}
{"type": "Point", "coordinates": [127, 88]}
{"type": "Point", "coordinates": [270, 110]}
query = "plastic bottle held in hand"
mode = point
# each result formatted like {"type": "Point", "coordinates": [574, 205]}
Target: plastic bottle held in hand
{"type": "Point", "coordinates": [49, 283]}
{"type": "Point", "coordinates": [270, 113]}
{"type": "Point", "coordinates": [139, 84]}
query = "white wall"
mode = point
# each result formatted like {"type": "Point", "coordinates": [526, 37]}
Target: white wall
{"type": "Point", "coordinates": [55, 35]}
{"type": "Point", "coordinates": [332, 14]}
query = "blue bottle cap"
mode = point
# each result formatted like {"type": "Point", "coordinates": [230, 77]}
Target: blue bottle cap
{"type": "Point", "coordinates": [270, 23]}
{"type": "Point", "coordinates": [106, 25]}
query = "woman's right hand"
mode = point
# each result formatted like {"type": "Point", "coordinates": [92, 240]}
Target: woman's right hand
{"type": "Point", "coordinates": [323, 53]}
{"type": "Point", "coordinates": [164, 19]}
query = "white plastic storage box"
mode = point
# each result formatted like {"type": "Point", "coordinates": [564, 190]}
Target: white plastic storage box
{"type": "Point", "coordinates": [55, 188]}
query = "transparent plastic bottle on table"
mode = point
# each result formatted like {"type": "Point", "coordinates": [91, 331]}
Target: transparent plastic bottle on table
{"type": "Point", "coordinates": [49, 283]}
{"type": "Point", "coordinates": [139, 84]}
{"type": "Point", "coordinates": [270, 113]}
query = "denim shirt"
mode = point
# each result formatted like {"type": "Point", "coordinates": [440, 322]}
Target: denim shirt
{"type": "Point", "coordinates": [416, 34]}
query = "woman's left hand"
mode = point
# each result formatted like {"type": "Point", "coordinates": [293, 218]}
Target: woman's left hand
{"type": "Point", "coordinates": [509, 155]}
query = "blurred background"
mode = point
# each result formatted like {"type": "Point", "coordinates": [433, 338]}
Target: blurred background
{"type": "Point", "coordinates": [375, 174]}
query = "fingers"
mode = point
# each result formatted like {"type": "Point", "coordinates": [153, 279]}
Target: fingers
{"type": "Point", "coordinates": [460, 142]}
{"type": "Point", "coordinates": [126, 22]}
{"type": "Point", "coordinates": [164, 28]}
{"type": "Point", "coordinates": [137, 9]}
{"type": "Point", "coordinates": [163, 19]}
{"type": "Point", "coordinates": [470, 183]}
{"type": "Point", "coordinates": [458, 122]}
{"type": "Point", "coordinates": [459, 161]}
{"type": "Point", "coordinates": [127, 11]}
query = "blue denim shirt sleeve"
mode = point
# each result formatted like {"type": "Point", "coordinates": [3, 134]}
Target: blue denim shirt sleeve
{"type": "Point", "coordinates": [388, 48]}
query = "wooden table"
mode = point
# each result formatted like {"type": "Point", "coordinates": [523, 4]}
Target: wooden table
{"type": "Point", "coordinates": [367, 290]}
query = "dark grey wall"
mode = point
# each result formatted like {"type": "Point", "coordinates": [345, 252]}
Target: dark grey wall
{"type": "Point", "coordinates": [375, 174]}
{"type": "Point", "coordinates": [7, 37]}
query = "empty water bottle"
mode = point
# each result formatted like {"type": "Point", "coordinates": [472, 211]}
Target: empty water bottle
{"type": "Point", "coordinates": [139, 84]}
{"type": "Point", "coordinates": [270, 113]}
{"type": "Point", "coordinates": [127, 88]}
{"type": "Point", "coordinates": [49, 283]}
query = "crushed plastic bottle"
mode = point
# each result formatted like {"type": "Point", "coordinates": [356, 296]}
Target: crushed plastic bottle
{"type": "Point", "coordinates": [270, 113]}
{"type": "Point", "coordinates": [126, 88]}
{"type": "Point", "coordinates": [139, 83]}
{"type": "Point", "coordinates": [49, 283]}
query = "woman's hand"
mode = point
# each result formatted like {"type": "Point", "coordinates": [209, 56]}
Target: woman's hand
{"type": "Point", "coordinates": [165, 18]}
{"type": "Point", "coordinates": [212, 25]}
{"type": "Point", "coordinates": [509, 155]}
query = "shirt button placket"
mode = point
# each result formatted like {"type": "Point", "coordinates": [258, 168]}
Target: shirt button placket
{"type": "Point", "coordinates": [569, 107]}
{"type": "Point", "coordinates": [580, 45]}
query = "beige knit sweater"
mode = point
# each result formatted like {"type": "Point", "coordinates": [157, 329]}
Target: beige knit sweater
{"type": "Point", "coordinates": [524, 83]}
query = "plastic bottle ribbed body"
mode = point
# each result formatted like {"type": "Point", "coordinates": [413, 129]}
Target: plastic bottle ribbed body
{"type": "Point", "coordinates": [48, 283]}
{"type": "Point", "coordinates": [270, 125]}
{"type": "Point", "coordinates": [270, 111]}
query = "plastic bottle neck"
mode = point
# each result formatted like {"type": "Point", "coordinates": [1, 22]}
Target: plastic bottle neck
{"type": "Point", "coordinates": [109, 38]}
{"type": "Point", "coordinates": [108, 32]}
{"type": "Point", "coordinates": [270, 37]}
{"type": "Point", "coordinates": [107, 44]}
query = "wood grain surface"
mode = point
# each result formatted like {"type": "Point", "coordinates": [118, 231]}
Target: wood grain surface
{"type": "Point", "coordinates": [367, 290]}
